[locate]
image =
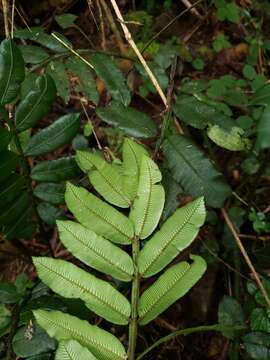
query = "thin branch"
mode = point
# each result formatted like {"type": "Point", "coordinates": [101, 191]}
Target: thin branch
{"type": "Point", "coordinates": [12, 18]}
{"type": "Point", "coordinates": [231, 226]}
{"type": "Point", "coordinates": [137, 52]}
{"type": "Point", "coordinates": [192, 9]}
{"type": "Point", "coordinates": [5, 13]}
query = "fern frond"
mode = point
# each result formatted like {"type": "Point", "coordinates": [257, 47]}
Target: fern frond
{"type": "Point", "coordinates": [72, 350]}
{"type": "Point", "coordinates": [95, 251]}
{"type": "Point", "coordinates": [63, 327]}
{"type": "Point", "coordinates": [70, 281]}
{"type": "Point", "coordinates": [148, 204]}
{"type": "Point", "coordinates": [176, 234]}
{"type": "Point", "coordinates": [98, 216]}
{"type": "Point", "coordinates": [105, 178]}
{"type": "Point", "coordinates": [169, 287]}
{"type": "Point", "coordinates": [132, 156]}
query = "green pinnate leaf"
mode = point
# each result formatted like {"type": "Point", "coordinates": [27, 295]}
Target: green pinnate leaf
{"type": "Point", "coordinates": [104, 177]}
{"type": "Point", "coordinates": [169, 287]}
{"type": "Point", "coordinates": [95, 251]}
{"type": "Point", "coordinates": [148, 204]}
{"type": "Point", "coordinates": [132, 156]}
{"type": "Point", "coordinates": [72, 350]}
{"type": "Point", "coordinates": [36, 104]}
{"type": "Point", "coordinates": [61, 132]}
{"type": "Point", "coordinates": [70, 281]}
{"type": "Point", "coordinates": [11, 71]}
{"type": "Point", "coordinates": [63, 327]}
{"type": "Point", "coordinates": [98, 216]}
{"type": "Point", "coordinates": [176, 234]}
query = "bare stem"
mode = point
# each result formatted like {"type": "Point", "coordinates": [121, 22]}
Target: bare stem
{"type": "Point", "coordinates": [5, 13]}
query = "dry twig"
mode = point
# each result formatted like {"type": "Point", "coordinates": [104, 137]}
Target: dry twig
{"type": "Point", "coordinates": [137, 52]}
{"type": "Point", "coordinates": [192, 9]}
{"type": "Point", "coordinates": [231, 226]}
{"type": "Point", "coordinates": [5, 13]}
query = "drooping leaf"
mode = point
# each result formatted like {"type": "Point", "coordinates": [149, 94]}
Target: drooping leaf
{"type": "Point", "coordinates": [31, 340]}
{"type": "Point", "coordinates": [148, 204]}
{"type": "Point", "coordinates": [36, 104]}
{"type": "Point", "coordinates": [263, 129]}
{"type": "Point", "coordinates": [50, 213]}
{"type": "Point", "coordinates": [175, 235]}
{"type": "Point", "coordinates": [5, 137]}
{"type": "Point", "coordinates": [65, 20]}
{"type": "Point", "coordinates": [33, 54]}
{"type": "Point", "coordinates": [72, 350]}
{"type": "Point", "coordinates": [53, 193]}
{"type": "Point", "coordinates": [98, 216]}
{"type": "Point", "coordinates": [11, 213]}
{"type": "Point", "coordinates": [37, 34]}
{"type": "Point", "coordinates": [112, 77]}
{"type": "Point", "coordinates": [61, 132]}
{"type": "Point", "coordinates": [86, 81]}
{"type": "Point", "coordinates": [170, 286]}
{"type": "Point", "coordinates": [61, 169]}
{"type": "Point", "coordinates": [57, 70]}
{"type": "Point", "coordinates": [104, 177]}
{"type": "Point", "coordinates": [195, 173]}
{"type": "Point", "coordinates": [11, 71]}
{"type": "Point", "coordinates": [131, 121]}
{"type": "Point", "coordinates": [95, 251]}
{"type": "Point", "coordinates": [62, 326]}
{"type": "Point", "coordinates": [70, 281]}
{"type": "Point", "coordinates": [233, 140]}
{"type": "Point", "coordinates": [23, 226]}
{"type": "Point", "coordinates": [11, 188]}
{"type": "Point", "coordinates": [132, 155]}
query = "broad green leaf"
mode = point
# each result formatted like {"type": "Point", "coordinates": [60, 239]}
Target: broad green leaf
{"type": "Point", "coordinates": [5, 137]}
{"type": "Point", "coordinates": [36, 104]}
{"type": "Point", "coordinates": [65, 20]}
{"type": "Point", "coordinates": [57, 70]}
{"type": "Point", "coordinates": [50, 213]}
{"type": "Point", "coordinates": [260, 320]}
{"type": "Point", "coordinates": [37, 34]}
{"type": "Point", "coordinates": [61, 132]}
{"type": "Point", "coordinates": [11, 71]}
{"type": "Point", "coordinates": [176, 234]}
{"type": "Point", "coordinates": [86, 81]}
{"type": "Point", "coordinates": [132, 155]}
{"type": "Point", "coordinates": [104, 177]}
{"type": "Point", "coordinates": [53, 193]}
{"type": "Point", "coordinates": [70, 281]}
{"type": "Point", "coordinates": [257, 345]}
{"type": "Point", "coordinates": [5, 320]}
{"type": "Point", "coordinates": [173, 191]}
{"type": "Point", "coordinates": [8, 293]}
{"type": "Point", "coordinates": [11, 188]}
{"type": "Point", "coordinates": [72, 350]}
{"type": "Point", "coordinates": [170, 286]}
{"type": "Point", "coordinates": [61, 169]}
{"type": "Point", "coordinates": [33, 54]}
{"type": "Point", "coordinates": [230, 314]}
{"type": "Point", "coordinates": [149, 202]}
{"type": "Point", "coordinates": [194, 171]}
{"type": "Point", "coordinates": [8, 162]}
{"type": "Point", "coordinates": [131, 121]}
{"type": "Point", "coordinates": [23, 226]}
{"type": "Point", "coordinates": [31, 340]}
{"type": "Point", "coordinates": [95, 251]}
{"type": "Point", "coordinates": [12, 212]}
{"type": "Point", "coordinates": [62, 326]}
{"type": "Point", "coordinates": [28, 84]}
{"type": "Point", "coordinates": [233, 140]}
{"type": "Point", "coordinates": [112, 77]}
{"type": "Point", "coordinates": [263, 129]}
{"type": "Point", "coordinates": [262, 96]}
{"type": "Point", "coordinates": [98, 216]}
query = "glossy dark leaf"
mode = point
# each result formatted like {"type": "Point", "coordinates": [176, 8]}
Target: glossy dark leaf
{"type": "Point", "coordinates": [55, 170]}
{"type": "Point", "coordinates": [49, 213]}
{"type": "Point", "coordinates": [262, 96]}
{"type": "Point", "coordinates": [61, 132]}
{"type": "Point", "coordinates": [11, 188]}
{"type": "Point", "coordinates": [23, 226]}
{"type": "Point", "coordinates": [50, 192]}
{"type": "Point", "coordinates": [230, 314]}
{"type": "Point", "coordinates": [65, 20]}
{"type": "Point", "coordinates": [33, 54]}
{"type": "Point", "coordinates": [11, 71]}
{"type": "Point", "coordinates": [131, 121]}
{"type": "Point", "coordinates": [28, 84]}
{"type": "Point", "coordinates": [8, 162]}
{"type": "Point", "coordinates": [5, 137]}
{"type": "Point", "coordinates": [57, 70]}
{"type": "Point", "coordinates": [8, 293]}
{"type": "Point", "coordinates": [263, 129]}
{"type": "Point", "coordinates": [257, 345]}
{"type": "Point", "coordinates": [194, 171]}
{"type": "Point", "coordinates": [12, 212]}
{"type": "Point", "coordinates": [36, 104]}
{"type": "Point", "coordinates": [260, 320]}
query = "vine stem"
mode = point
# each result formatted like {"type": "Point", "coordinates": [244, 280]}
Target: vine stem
{"type": "Point", "coordinates": [133, 325]}
{"type": "Point", "coordinates": [192, 330]}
